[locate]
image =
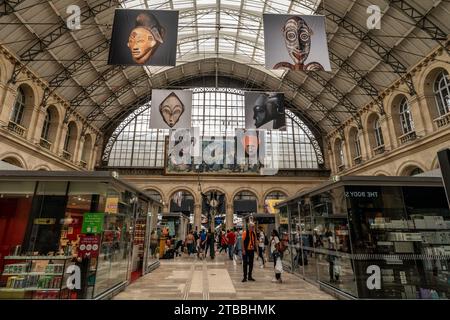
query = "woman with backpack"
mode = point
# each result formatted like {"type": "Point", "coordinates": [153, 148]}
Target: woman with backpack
{"type": "Point", "coordinates": [276, 250]}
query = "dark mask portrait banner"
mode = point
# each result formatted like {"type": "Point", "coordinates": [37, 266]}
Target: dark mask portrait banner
{"type": "Point", "coordinates": [296, 42]}
{"type": "Point", "coordinates": [265, 110]}
{"type": "Point", "coordinates": [144, 38]}
{"type": "Point", "coordinates": [171, 109]}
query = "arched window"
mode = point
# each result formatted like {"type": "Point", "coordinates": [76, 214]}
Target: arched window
{"type": "Point", "coordinates": [378, 133]}
{"type": "Point", "coordinates": [357, 144]}
{"type": "Point", "coordinates": [46, 126]}
{"type": "Point", "coordinates": [405, 117]}
{"type": "Point", "coordinates": [19, 107]}
{"type": "Point", "coordinates": [217, 112]}
{"type": "Point", "coordinates": [442, 92]}
{"type": "Point", "coordinates": [68, 138]}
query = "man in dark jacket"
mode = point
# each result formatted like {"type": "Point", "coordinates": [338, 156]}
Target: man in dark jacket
{"type": "Point", "coordinates": [249, 245]}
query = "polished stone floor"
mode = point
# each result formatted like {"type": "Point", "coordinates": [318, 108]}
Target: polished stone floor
{"type": "Point", "coordinates": [191, 278]}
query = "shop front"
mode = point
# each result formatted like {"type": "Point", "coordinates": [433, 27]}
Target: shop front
{"type": "Point", "coordinates": [372, 237]}
{"type": "Point", "coordinates": [67, 235]}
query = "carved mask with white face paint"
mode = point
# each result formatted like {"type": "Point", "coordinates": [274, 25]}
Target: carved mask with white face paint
{"type": "Point", "coordinates": [297, 36]}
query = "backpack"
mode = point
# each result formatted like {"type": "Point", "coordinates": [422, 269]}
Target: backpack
{"type": "Point", "coordinates": [281, 246]}
{"type": "Point", "coordinates": [266, 241]}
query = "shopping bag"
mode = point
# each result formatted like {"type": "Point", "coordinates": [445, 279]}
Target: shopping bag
{"type": "Point", "coordinates": [278, 266]}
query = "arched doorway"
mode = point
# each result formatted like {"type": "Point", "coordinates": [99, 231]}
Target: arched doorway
{"type": "Point", "coordinates": [244, 203]}
{"type": "Point", "coordinates": [272, 199]}
{"type": "Point", "coordinates": [213, 209]}
{"type": "Point", "coordinates": [182, 201]}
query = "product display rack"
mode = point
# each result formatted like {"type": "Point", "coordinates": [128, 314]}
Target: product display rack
{"type": "Point", "coordinates": [34, 277]}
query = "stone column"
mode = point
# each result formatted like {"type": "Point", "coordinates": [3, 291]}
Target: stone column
{"type": "Point", "coordinates": [39, 126]}
{"type": "Point", "coordinates": [79, 150]}
{"type": "Point", "coordinates": [197, 216]}
{"type": "Point", "coordinates": [229, 215]}
{"type": "Point", "coordinates": [366, 148]}
{"type": "Point", "coordinates": [387, 137]}
{"type": "Point", "coordinates": [8, 96]}
{"type": "Point", "coordinates": [33, 124]}
{"type": "Point", "coordinates": [60, 148]}
{"type": "Point", "coordinates": [423, 123]}
{"type": "Point", "coordinates": [392, 132]}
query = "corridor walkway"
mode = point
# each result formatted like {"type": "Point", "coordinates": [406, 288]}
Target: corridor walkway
{"type": "Point", "coordinates": [188, 278]}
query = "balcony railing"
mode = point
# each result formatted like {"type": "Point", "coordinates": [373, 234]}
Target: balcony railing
{"type": "Point", "coordinates": [379, 150]}
{"type": "Point", "coordinates": [66, 155]}
{"type": "Point", "coordinates": [45, 144]}
{"type": "Point", "coordinates": [83, 164]}
{"type": "Point", "coordinates": [17, 128]}
{"type": "Point", "coordinates": [443, 120]}
{"type": "Point", "coordinates": [341, 167]}
{"type": "Point", "coordinates": [410, 136]}
{"type": "Point", "coordinates": [357, 160]}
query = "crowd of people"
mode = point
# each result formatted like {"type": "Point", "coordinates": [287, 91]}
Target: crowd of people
{"type": "Point", "coordinates": [241, 246]}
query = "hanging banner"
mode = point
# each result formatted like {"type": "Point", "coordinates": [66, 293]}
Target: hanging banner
{"type": "Point", "coordinates": [144, 37]}
{"type": "Point", "coordinates": [296, 42]}
{"type": "Point", "coordinates": [171, 109]}
{"type": "Point", "coordinates": [264, 110]}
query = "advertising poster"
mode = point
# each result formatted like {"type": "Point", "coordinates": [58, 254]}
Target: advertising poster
{"type": "Point", "coordinates": [265, 110]}
{"type": "Point", "coordinates": [296, 42]}
{"type": "Point", "coordinates": [89, 246]}
{"type": "Point", "coordinates": [171, 109]}
{"type": "Point", "coordinates": [144, 38]}
{"type": "Point", "coordinates": [93, 223]}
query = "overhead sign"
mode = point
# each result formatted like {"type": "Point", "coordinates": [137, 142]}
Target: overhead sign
{"type": "Point", "coordinates": [93, 223]}
{"type": "Point", "coordinates": [44, 221]}
{"type": "Point", "coordinates": [112, 205]}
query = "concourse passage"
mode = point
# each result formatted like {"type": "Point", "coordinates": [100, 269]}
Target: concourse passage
{"type": "Point", "coordinates": [190, 278]}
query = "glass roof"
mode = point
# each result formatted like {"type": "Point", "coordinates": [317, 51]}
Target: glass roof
{"type": "Point", "coordinates": [231, 29]}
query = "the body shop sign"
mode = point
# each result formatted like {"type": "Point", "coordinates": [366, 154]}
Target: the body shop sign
{"type": "Point", "coordinates": [93, 223]}
{"type": "Point", "coordinates": [89, 246]}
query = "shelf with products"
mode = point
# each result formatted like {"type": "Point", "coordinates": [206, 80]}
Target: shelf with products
{"type": "Point", "coordinates": [34, 273]}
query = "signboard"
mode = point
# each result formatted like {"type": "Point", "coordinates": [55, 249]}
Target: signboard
{"type": "Point", "coordinates": [89, 246]}
{"type": "Point", "coordinates": [112, 204]}
{"type": "Point", "coordinates": [271, 203]}
{"type": "Point", "coordinates": [93, 223]}
{"type": "Point", "coordinates": [47, 221]}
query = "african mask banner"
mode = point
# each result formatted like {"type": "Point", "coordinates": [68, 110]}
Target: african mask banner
{"type": "Point", "coordinates": [265, 110]}
{"type": "Point", "coordinates": [171, 109]}
{"type": "Point", "coordinates": [296, 42]}
{"type": "Point", "coordinates": [144, 38]}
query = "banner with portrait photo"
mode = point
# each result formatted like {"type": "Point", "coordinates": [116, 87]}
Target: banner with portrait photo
{"type": "Point", "coordinates": [265, 110]}
{"type": "Point", "coordinates": [144, 38]}
{"type": "Point", "coordinates": [171, 109]}
{"type": "Point", "coordinates": [296, 42]}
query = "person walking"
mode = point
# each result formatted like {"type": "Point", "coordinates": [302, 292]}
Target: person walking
{"type": "Point", "coordinates": [231, 240]}
{"type": "Point", "coordinates": [261, 246]}
{"type": "Point", "coordinates": [276, 254]}
{"type": "Point", "coordinates": [190, 239]}
{"type": "Point", "coordinates": [238, 245]}
{"type": "Point", "coordinates": [223, 242]}
{"type": "Point", "coordinates": [249, 244]}
{"type": "Point", "coordinates": [210, 243]}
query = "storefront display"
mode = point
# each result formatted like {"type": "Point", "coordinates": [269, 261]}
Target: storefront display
{"type": "Point", "coordinates": [50, 221]}
{"type": "Point", "coordinates": [373, 237]}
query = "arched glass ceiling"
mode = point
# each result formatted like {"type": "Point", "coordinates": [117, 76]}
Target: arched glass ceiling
{"type": "Point", "coordinates": [216, 112]}
{"type": "Point", "coordinates": [240, 35]}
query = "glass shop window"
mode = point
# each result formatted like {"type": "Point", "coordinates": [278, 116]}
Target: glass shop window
{"type": "Point", "coordinates": [16, 199]}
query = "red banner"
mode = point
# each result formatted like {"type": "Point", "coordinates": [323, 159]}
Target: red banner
{"type": "Point", "coordinates": [89, 246]}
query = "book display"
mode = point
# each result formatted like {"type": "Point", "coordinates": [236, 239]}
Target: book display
{"type": "Point", "coordinates": [35, 277]}
{"type": "Point", "coordinates": [377, 237]}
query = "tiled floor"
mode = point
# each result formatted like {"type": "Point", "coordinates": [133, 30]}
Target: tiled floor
{"type": "Point", "coordinates": [190, 278]}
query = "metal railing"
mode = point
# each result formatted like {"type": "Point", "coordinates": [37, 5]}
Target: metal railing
{"type": "Point", "coordinates": [357, 160]}
{"type": "Point", "coordinates": [83, 164]}
{"type": "Point", "coordinates": [45, 144]}
{"type": "Point", "coordinates": [407, 137]}
{"type": "Point", "coordinates": [17, 128]}
{"type": "Point", "coordinates": [442, 121]}
{"type": "Point", "coordinates": [66, 155]}
{"type": "Point", "coordinates": [379, 150]}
